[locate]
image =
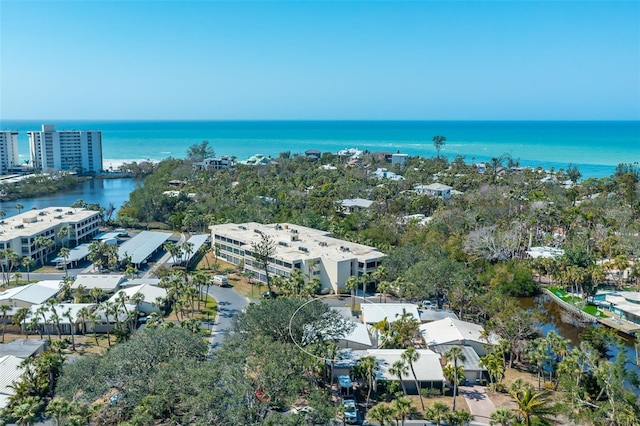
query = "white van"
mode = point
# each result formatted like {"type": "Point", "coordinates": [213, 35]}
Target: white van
{"type": "Point", "coordinates": [220, 280]}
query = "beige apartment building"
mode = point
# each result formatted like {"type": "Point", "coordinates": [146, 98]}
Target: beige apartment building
{"type": "Point", "coordinates": [19, 232]}
{"type": "Point", "coordinates": [314, 252]}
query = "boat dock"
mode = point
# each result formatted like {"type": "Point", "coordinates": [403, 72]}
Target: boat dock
{"type": "Point", "coordinates": [622, 325]}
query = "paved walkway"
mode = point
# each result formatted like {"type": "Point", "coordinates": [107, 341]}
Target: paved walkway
{"type": "Point", "coordinates": [479, 403]}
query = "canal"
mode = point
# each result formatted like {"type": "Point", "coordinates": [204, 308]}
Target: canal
{"type": "Point", "coordinates": [99, 191]}
{"type": "Point", "coordinates": [558, 320]}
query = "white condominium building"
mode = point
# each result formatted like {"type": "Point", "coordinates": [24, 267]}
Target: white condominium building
{"type": "Point", "coordinates": [73, 150]}
{"type": "Point", "coordinates": [8, 150]}
{"type": "Point", "coordinates": [314, 252]}
{"type": "Point", "coordinates": [19, 232]}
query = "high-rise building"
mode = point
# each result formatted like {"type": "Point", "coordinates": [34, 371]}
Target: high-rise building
{"type": "Point", "coordinates": [8, 150]}
{"type": "Point", "coordinates": [71, 150]}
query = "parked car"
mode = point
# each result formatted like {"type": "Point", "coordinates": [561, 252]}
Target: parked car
{"type": "Point", "coordinates": [427, 304]}
{"type": "Point", "coordinates": [269, 295]}
{"type": "Point", "coordinates": [350, 411]}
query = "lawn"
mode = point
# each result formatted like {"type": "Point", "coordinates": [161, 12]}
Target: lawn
{"type": "Point", "coordinates": [577, 302]}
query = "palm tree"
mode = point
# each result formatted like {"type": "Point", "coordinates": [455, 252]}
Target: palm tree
{"type": "Point", "coordinates": [20, 318]}
{"type": "Point", "coordinates": [381, 413]}
{"type": "Point", "coordinates": [402, 408]}
{"type": "Point", "coordinates": [409, 356]}
{"type": "Point", "coordinates": [187, 251]}
{"type": "Point", "coordinates": [367, 369]}
{"type": "Point", "coordinates": [28, 262]}
{"type": "Point", "coordinates": [19, 207]}
{"type": "Point", "coordinates": [437, 412]}
{"type": "Point", "coordinates": [42, 245]}
{"type": "Point", "coordinates": [459, 418]}
{"type": "Point", "coordinates": [58, 408]}
{"type": "Point", "coordinates": [438, 143]}
{"type": "Point", "coordinates": [63, 234]}
{"type": "Point", "coordinates": [25, 410]}
{"type": "Point", "coordinates": [72, 327]}
{"type": "Point", "coordinates": [455, 354]}
{"type": "Point", "coordinates": [364, 279]}
{"type": "Point", "coordinates": [532, 404]}
{"type": "Point", "coordinates": [399, 369]}
{"type": "Point", "coordinates": [503, 417]}
{"type": "Point", "coordinates": [4, 309]}
{"type": "Point", "coordinates": [352, 284]}
{"type": "Point", "coordinates": [64, 254]}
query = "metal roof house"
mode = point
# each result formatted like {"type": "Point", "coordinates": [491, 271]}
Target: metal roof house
{"type": "Point", "coordinates": [150, 293]}
{"type": "Point", "coordinates": [107, 283]}
{"type": "Point", "coordinates": [450, 331]}
{"type": "Point", "coordinates": [428, 368]}
{"type": "Point", "coordinates": [28, 295]}
{"type": "Point", "coordinates": [10, 371]}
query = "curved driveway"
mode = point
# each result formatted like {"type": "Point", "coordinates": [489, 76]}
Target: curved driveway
{"type": "Point", "coordinates": [230, 303]}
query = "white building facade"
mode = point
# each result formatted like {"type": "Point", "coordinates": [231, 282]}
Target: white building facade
{"type": "Point", "coordinates": [315, 253]}
{"type": "Point", "coordinates": [8, 150]}
{"type": "Point", "coordinates": [19, 232]}
{"type": "Point", "coordinates": [71, 150]}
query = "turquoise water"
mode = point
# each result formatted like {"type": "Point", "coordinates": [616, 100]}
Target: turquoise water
{"type": "Point", "coordinates": [596, 147]}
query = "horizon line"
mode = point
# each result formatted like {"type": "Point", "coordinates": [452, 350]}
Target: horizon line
{"type": "Point", "coordinates": [313, 120]}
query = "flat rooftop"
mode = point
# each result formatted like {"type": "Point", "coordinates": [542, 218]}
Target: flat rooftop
{"type": "Point", "coordinates": [294, 242]}
{"type": "Point", "coordinates": [33, 222]}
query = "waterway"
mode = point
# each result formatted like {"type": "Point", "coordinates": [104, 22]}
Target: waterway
{"type": "Point", "coordinates": [556, 319]}
{"type": "Point", "coordinates": [99, 191]}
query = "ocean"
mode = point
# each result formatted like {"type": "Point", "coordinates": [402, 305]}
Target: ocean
{"type": "Point", "coordinates": [596, 147]}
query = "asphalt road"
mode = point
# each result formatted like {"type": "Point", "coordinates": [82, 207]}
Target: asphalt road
{"type": "Point", "coordinates": [230, 303]}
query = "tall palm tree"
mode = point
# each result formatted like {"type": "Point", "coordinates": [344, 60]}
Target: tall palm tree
{"type": "Point", "coordinates": [455, 355]}
{"type": "Point", "coordinates": [19, 207]}
{"type": "Point", "coordinates": [63, 234]}
{"type": "Point", "coordinates": [438, 143]}
{"type": "Point", "coordinates": [28, 263]}
{"type": "Point", "coordinates": [352, 284]}
{"type": "Point", "coordinates": [367, 369]}
{"type": "Point", "coordinates": [409, 356]}
{"type": "Point", "coordinates": [64, 254]}
{"type": "Point", "coordinates": [20, 318]}
{"type": "Point", "coordinates": [42, 245]}
{"type": "Point", "coordinates": [4, 309]}
{"type": "Point", "coordinates": [399, 369]}
{"type": "Point", "coordinates": [72, 327]}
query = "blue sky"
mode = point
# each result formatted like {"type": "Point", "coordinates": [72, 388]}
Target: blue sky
{"type": "Point", "coordinates": [418, 60]}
